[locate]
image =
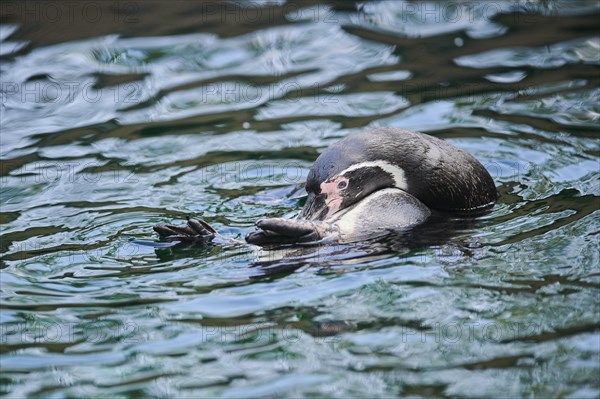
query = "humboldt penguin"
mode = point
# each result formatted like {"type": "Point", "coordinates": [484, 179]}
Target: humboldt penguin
{"type": "Point", "coordinates": [369, 184]}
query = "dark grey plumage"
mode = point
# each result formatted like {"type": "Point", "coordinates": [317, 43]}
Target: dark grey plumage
{"type": "Point", "coordinates": [442, 176]}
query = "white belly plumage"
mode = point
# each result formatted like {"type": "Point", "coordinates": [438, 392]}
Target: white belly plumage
{"type": "Point", "coordinates": [384, 210]}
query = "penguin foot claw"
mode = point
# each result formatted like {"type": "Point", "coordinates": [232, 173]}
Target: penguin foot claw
{"type": "Point", "coordinates": [196, 231]}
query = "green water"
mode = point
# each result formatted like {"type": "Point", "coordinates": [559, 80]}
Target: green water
{"type": "Point", "coordinates": [133, 114]}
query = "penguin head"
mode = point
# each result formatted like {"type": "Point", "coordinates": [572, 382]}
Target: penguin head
{"type": "Point", "coordinates": [347, 187]}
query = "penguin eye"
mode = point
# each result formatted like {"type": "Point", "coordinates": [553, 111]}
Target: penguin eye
{"type": "Point", "coordinates": [342, 185]}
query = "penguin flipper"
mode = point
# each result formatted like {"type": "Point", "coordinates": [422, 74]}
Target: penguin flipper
{"type": "Point", "coordinates": [196, 232]}
{"type": "Point", "coordinates": [277, 231]}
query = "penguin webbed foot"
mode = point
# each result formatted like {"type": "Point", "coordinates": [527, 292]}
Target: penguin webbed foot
{"type": "Point", "coordinates": [196, 232]}
{"type": "Point", "coordinates": [278, 231]}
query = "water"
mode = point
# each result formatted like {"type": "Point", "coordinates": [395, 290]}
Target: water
{"type": "Point", "coordinates": [135, 115]}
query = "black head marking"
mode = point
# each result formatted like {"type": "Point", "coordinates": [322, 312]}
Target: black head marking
{"type": "Point", "coordinates": [363, 181]}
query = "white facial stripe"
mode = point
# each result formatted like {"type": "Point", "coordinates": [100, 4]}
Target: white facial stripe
{"type": "Point", "coordinates": [394, 171]}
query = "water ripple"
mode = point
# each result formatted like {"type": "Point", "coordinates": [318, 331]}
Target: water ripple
{"type": "Point", "coordinates": [109, 128]}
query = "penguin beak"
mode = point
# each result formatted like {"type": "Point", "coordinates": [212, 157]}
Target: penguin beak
{"type": "Point", "coordinates": [316, 207]}
{"type": "Point", "coordinates": [323, 205]}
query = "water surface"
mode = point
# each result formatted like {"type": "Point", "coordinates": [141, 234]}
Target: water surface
{"type": "Point", "coordinates": [144, 113]}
